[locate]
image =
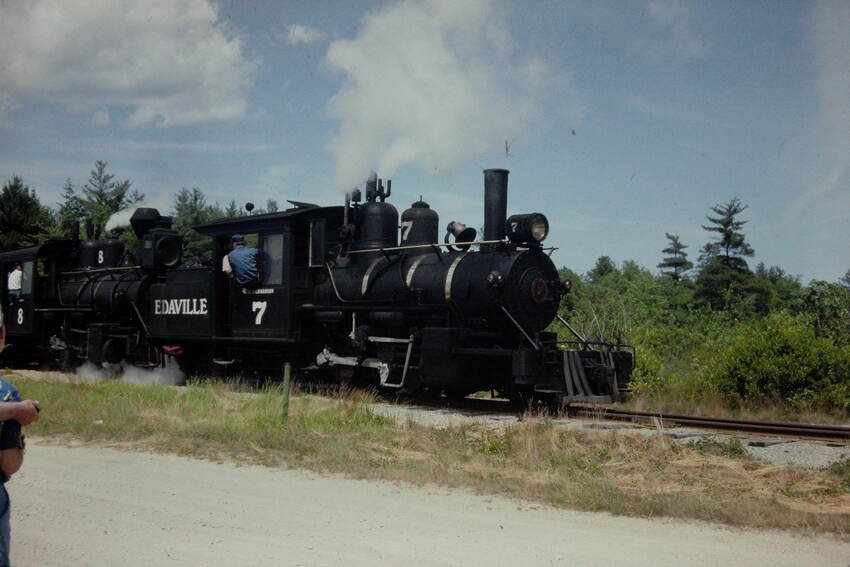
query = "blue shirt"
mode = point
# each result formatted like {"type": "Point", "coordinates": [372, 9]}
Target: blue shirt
{"type": "Point", "coordinates": [243, 262]}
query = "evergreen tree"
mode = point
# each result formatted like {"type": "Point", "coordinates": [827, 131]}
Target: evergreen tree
{"type": "Point", "coordinates": [604, 266]}
{"type": "Point", "coordinates": [845, 279]}
{"type": "Point", "coordinates": [191, 208]}
{"type": "Point", "coordinates": [783, 289]}
{"type": "Point", "coordinates": [676, 262]}
{"type": "Point", "coordinates": [731, 245]}
{"type": "Point", "coordinates": [724, 276]}
{"type": "Point", "coordinates": [71, 209]}
{"type": "Point", "coordinates": [100, 198]}
{"type": "Point", "coordinates": [232, 210]}
{"type": "Point", "coordinates": [23, 219]}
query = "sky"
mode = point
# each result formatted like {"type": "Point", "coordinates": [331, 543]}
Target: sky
{"type": "Point", "coordinates": [618, 120]}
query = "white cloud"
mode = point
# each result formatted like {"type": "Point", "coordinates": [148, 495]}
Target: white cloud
{"type": "Point", "coordinates": [100, 117]}
{"type": "Point", "coordinates": [825, 195]}
{"type": "Point", "coordinates": [831, 39]}
{"type": "Point", "coordinates": [434, 83]}
{"type": "Point", "coordinates": [297, 33]}
{"type": "Point", "coordinates": [6, 106]}
{"type": "Point", "coordinates": [674, 33]}
{"type": "Point", "coordinates": [169, 61]}
{"type": "Point", "coordinates": [203, 147]}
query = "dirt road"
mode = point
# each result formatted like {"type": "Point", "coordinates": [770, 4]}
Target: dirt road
{"type": "Point", "coordinates": [99, 507]}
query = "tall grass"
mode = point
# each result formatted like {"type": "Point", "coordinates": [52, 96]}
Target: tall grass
{"type": "Point", "coordinates": [646, 476]}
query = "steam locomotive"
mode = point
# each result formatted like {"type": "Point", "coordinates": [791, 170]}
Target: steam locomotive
{"type": "Point", "coordinates": [338, 295]}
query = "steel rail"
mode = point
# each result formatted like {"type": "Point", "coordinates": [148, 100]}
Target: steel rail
{"type": "Point", "coordinates": [779, 428]}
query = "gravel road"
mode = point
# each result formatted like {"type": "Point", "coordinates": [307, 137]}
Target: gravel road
{"type": "Point", "coordinates": [101, 507]}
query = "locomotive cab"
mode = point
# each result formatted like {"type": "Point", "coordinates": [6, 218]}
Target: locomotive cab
{"type": "Point", "coordinates": [34, 314]}
{"type": "Point", "coordinates": [212, 317]}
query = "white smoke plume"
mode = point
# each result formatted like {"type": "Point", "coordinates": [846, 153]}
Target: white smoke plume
{"type": "Point", "coordinates": [433, 83]}
{"type": "Point", "coordinates": [168, 375]}
{"type": "Point", "coordinates": [90, 372]}
{"type": "Point", "coordinates": [122, 218]}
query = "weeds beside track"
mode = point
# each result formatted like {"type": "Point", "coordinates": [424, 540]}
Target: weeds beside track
{"type": "Point", "coordinates": [535, 460]}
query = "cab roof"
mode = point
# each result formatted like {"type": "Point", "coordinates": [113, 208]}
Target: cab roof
{"type": "Point", "coordinates": [267, 221]}
{"type": "Point", "coordinates": [32, 252]}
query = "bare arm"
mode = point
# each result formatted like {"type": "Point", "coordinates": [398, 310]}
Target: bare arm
{"type": "Point", "coordinates": [11, 461]}
{"type": "Point", "coordinates": [24, 412]}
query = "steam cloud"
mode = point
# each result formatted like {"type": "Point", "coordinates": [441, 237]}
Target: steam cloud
{"type": "Point", "coordinates": [433, 83]}
{"type": "Point", "coordinates": [121, 218]}
{"type": "Point", "coordinates": [169, 375]}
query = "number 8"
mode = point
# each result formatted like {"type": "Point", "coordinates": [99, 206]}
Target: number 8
{"type": "Point", "coordinates": [21, 316]}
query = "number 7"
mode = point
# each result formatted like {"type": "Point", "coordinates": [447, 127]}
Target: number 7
{"type": "Point", "coordinates": [260, 308]}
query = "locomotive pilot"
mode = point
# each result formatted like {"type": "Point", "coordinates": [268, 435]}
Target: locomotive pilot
{"type": "Point", "coordinates": [241, 263]}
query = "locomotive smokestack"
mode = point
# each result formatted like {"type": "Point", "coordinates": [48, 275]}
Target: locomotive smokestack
{"type": "Point", "coordinates": [495, 204]}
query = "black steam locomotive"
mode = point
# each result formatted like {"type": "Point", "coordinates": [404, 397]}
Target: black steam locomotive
{"type": "Point", "coordinates": [338, 294]}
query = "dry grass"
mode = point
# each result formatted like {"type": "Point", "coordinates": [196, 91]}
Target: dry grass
{"type": "Point", "coordinates": [588, 470]}
{"type": "Point", "coordinates": [719, 407]}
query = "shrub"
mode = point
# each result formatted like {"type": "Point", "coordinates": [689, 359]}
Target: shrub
{"type": "Point", "coordinates": [782, 359]}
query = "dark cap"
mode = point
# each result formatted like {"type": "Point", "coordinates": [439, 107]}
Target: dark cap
{"type": "Point", "coordinates": [238, 238]}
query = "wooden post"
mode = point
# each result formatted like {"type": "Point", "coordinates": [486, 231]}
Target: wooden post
{"type": "Point", "coordinates": [287, 387]}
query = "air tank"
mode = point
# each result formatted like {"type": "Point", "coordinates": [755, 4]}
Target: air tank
{"type": "Point", "coordinates": [419, 225]}
{"type": "Point", "coordinates": [378, 226]}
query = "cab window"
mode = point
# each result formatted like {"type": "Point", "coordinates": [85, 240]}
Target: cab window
{"type": "Point", "coordinates": [271, 254]}
{"type": "Point", "coordinates": [26, 280]}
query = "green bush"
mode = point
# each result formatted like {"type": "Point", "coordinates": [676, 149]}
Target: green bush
{"type": "Point", "coordinates": [782, 359]}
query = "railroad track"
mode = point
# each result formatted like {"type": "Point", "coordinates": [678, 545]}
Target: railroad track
{"type": "Point", "coordinates": [778, 428]}
{"type": "Point", "coordinates": [490, 407]}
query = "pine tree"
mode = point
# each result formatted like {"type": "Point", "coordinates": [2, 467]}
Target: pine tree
{"type": "Point", "coordinates": [731, 245]}
{"type": "Point", "coordinates": [23, 219]}
{"type": "Point", "coordinates": [845, 279]}
{"type": "Point", "coordinates": [97, 200]}
{"type": "Point", "coordinates": [724, 273]}
{"type": "Point", "coordinates": [191, 208]}
{"type": "Point", "coordinates": [677, 260]}
{"type": "Point", "coordinates": [604, 266]}
{"type": "Point", "coordinates": [232, 210]}
{"type": "Point", "coordinates": [71, 209]}
{"type": "Point", "coordinates": [102, 196]}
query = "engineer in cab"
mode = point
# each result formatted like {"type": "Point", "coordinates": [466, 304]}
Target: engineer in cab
{"type": "Point", "coordinates": [242, 262]}
{"type": "Point", "coordinates": [16, 277]}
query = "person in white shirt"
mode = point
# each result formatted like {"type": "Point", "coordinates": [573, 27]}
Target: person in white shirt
{"type": "Point", "coordinates": [16, 277]}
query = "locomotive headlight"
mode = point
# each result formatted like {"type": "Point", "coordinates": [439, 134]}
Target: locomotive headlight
{"type": "Point", "coordinates": [527, 229]}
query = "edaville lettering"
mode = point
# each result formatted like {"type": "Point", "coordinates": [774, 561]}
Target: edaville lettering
{"type": "Point", "coordinates": [180, 306]}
